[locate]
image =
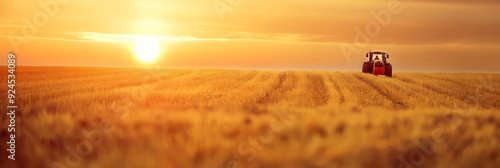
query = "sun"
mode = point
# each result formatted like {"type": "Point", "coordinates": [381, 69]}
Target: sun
{"type": "Point", "coordinates": [147, 49]}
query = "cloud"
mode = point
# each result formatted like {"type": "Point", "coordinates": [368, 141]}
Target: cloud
{"type": "Point", "coordinates": [421, 22]}
{"type": "Point", "coordinates": [200, 36]}
{"type": "Point", "coordinates": [321, 21]}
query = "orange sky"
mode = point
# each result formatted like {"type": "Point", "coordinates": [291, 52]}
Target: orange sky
{"type": "Point", "coordinates": [424, 35]}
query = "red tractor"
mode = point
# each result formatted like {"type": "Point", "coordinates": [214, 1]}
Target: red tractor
{"type": "Point", "coordinates": [377, 64]}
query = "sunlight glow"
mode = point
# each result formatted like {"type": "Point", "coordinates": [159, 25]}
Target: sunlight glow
{"type": "Point", "coordinates": [147, 49]}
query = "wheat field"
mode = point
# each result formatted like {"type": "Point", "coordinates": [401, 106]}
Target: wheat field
{"type": "Point", "coordinates": [132, 117]}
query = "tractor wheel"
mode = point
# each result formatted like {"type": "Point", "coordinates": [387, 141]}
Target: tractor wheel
{"type": "Point", "coordinates": [388, 70]}
{"type": "Point", "coordinates": [366, 68]}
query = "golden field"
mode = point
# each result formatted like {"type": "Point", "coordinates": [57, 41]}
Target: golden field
{"type": "Point", "coordinates": [131, 117]}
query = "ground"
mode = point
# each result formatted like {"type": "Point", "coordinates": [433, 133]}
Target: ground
{"type": "Point", "coordinates": [131, 117]}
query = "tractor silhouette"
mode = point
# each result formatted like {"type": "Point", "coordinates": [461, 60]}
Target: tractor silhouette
{"type": "Point", "coordinates": [377, 64]}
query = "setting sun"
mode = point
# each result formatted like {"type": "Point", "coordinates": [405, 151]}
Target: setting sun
{"type": "Point", "coordinates": [147, 49]}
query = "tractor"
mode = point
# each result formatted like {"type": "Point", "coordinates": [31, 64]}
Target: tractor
{"type": "Point", "coordinates": [377, 64]}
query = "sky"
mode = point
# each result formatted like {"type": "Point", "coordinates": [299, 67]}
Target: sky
{"type": "Point", "coordinates": [420, 35]}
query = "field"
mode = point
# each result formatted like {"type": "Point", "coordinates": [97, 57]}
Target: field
{"type": "Point", "coordinates": [117, 117]}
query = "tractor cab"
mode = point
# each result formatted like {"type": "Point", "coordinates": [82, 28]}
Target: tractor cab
{"type": "Point", "coordinates": [377, 64]}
